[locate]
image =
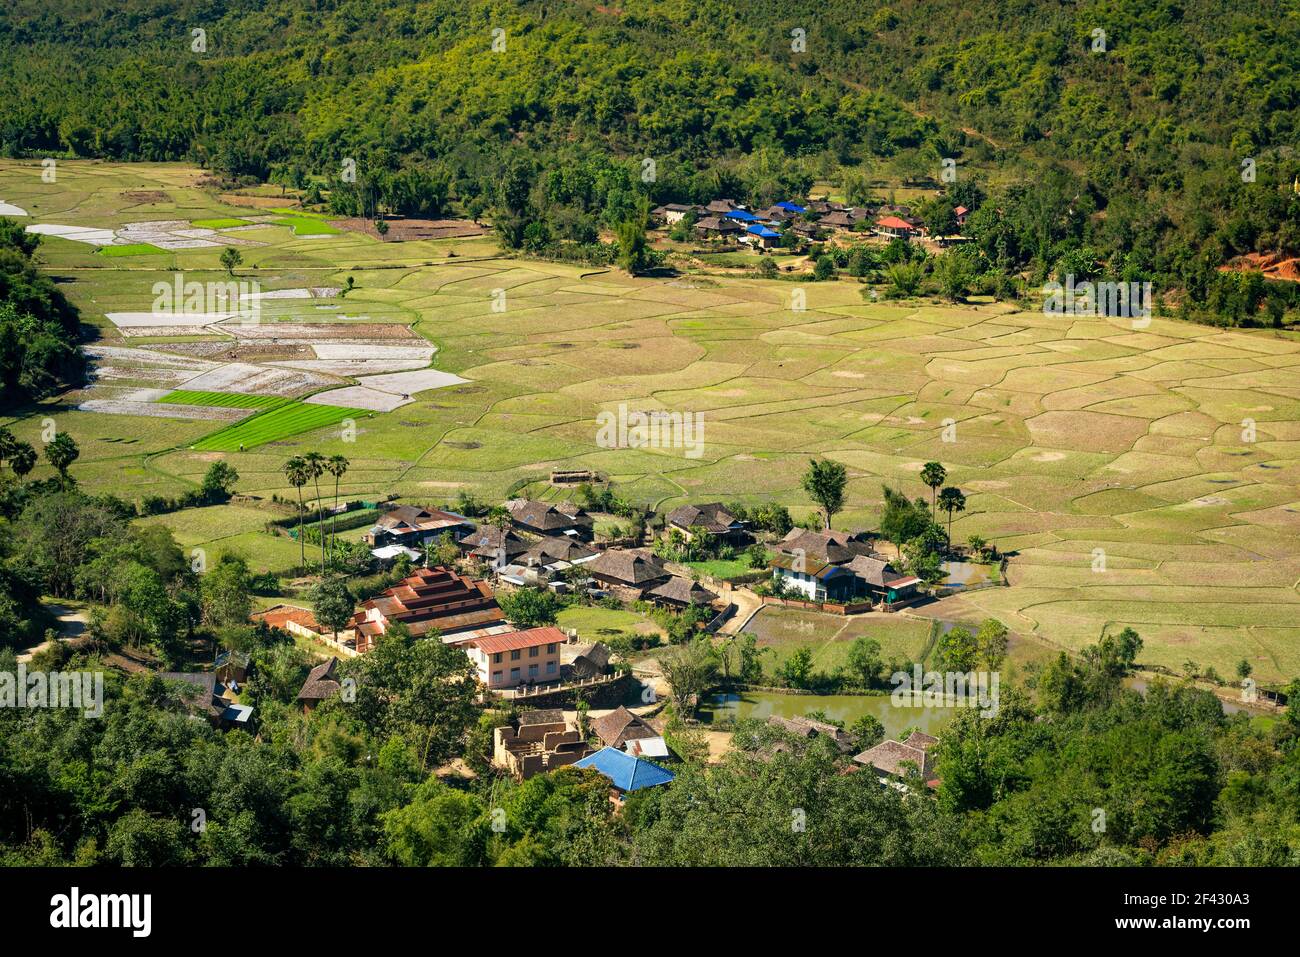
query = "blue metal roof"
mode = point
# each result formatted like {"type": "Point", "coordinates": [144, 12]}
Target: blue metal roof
{"type": "Point", "coordinates": [624, 771]}
{"type": "Point", "coordinates": [793, 207]}
{"type": "Point", "coordinates": [744, 215]}
{"type": "Point", "coordinates": [764, 232]}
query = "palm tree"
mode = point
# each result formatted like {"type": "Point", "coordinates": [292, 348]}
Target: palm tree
{"type": "Point", "coordinates": [315, 463]}
{"type": "Point", "coordinates": [337, 466]}
{"type": "Point", "coordinates": [933, 474]}
{"type": "Point", "coordinates": [952, 500]}
{"type": "Point", "coordinates": [22, 459]}
{"type": "Point", "coordinates": [295, 470]}
{"type": "Point", "coordinates": [61, 452]}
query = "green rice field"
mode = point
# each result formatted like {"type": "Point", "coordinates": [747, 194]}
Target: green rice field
{"type": "Point", "coordinates": [279, 422]}
{"type": "Point", "coordinates": [222, 400]}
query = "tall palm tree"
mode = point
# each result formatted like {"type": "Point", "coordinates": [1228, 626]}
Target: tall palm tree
{"type": "Point", "coordinates": [933, 474]}
{"type": "Point", "coordinates": [295, 470]}
{"type": "Point", "coordinates": [315, 469]}
{"type": "Point", "coordinates": [952, 500]}
{"type": "Point", "coordinates": [337, 466]}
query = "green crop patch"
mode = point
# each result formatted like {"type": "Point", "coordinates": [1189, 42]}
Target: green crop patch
{"type": "Point", "coordinates": [132, 249]}
{"type": "Point", "coordinates": [291, 418]}
{"type": "Point", "coordinates": [226, 223]}
{"type": "Point", "coordinates": [222, 400]}
{"type": "Point", "coordinates": [304, 226]}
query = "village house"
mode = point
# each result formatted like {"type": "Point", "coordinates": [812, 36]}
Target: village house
{"type": "Point", "coordinates": [714, 227]}
{"type": "Point", "coordinates": [590, 661]}
{"type": "Point", "coordinates": [761, 236]}
{"type": "Point", "coordinates": [432, 599]}
{"type": "Point", "coordinates": [776, 214]}
{"type": "Point", "coordinates": [547, 519]}
{"type": "Point", "coordinates": [839, 219]}
{"type": "Point", "coordinates": [895, 759]}
{"type": "Point", "coordinates": [321, 685]}
{"type": "Point", "coordinates": [538, 741]}
{"type": "Point", "coordinates": [895, 228]}
{"type": "Point", "coordinates": [714, 518]}
{"type": "Point", "coordinates": [721, 206]}
{"type": "Point", "coordinates": [679, 593]}
{"type": "Point", "coordinates": [410, 525]}
{"type": "Point", "coordinates": [809, 728]}
{"type": "Point", "coordinates": [628, 573]}
{"type": "Point", "coordinates": [545, 562]}
{"type": "Point", "coordinates": [517, 657]}
{"type": "Point", "coordinates": [961, 212]}
{"type": "Point", "coordinates": [494, 546]}
{"type": "Point", "coordinates": [820, 567]}
{"type": "Point", "coordinates": [671, 213]}
{"type": "Point", "coordinates": [212, 700]}
{"type": "Point", "coordinates": [620, 726]}
{"type": "Point", "coordinates": [626, 773]}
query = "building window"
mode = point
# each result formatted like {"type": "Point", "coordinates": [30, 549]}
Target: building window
{"type": "Point", "coordinates": [514, 655]}
{"type": "Point", "coordinates": [532, 652]}
{"type": "Point", "coordinates": [514, 674]}
{"type": "Point", "coordinates": [532, 671]}
{"type": "Point", "coordinates": [550, 667]}
{"type": "Point", "coordinates": [550, 649]}
{"type": "Point", "coordinates": [496, 676]}
{"type": "Point", "coordinates": [496, 659]}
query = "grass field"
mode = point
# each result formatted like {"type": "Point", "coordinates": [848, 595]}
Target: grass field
{"type": "Point", "coordinates": [280, 421]}
{"type": "Point", "coordinates": [1073, 437]}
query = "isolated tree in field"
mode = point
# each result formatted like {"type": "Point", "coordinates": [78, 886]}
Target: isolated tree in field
{"type": "Point", "coordinates": [230, 258]}
{"type": "Point", "coordinates": [337, 466]}
{"type": "Point", "coordinates": [295, 471]}
{"type": "Point", "coordinates": [991, 642]}
{"type": "Point", "coordinates": [315, 463]}
{"type": "Point", "coordinates": [824, 482]}
{"type": "Point", "coordinates": [631, 245]}
{"type": "Point", "coordinates": [22, 459]}
{"type": "Point", "coordinates": [333, 603]}
{"type": "Point", "coordinates": [1244, 669]}
{"type": "Point", "coordinates": [952, 500]}
{"type": "Point", "coordinates": [381, 227]}
{"type": "Point", "coordinates": [61, 452]}
{"type": "Point", "coordinates": [864, 659]}
{"type": "Point", "coordinates": [934, 475]}
{"type": "Point", "coordinates": [219, 482]}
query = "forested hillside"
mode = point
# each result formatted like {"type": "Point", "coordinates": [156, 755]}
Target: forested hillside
{"type": "Point", "coordinates": [1111, 134]}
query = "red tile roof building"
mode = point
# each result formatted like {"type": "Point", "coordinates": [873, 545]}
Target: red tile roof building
{"type": "Point", "coordinates": [518, 657]}
{"type": "Point", "coordinates": [431, 599]}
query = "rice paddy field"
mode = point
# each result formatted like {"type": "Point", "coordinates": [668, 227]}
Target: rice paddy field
{"type": "Point", "coordinates": [1145, 477]}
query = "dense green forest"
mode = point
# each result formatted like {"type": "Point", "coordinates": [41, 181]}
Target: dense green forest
{"type": "Point", "coordinates": [1104, 139]}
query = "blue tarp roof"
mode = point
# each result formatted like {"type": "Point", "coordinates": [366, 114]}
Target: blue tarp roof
{"type": "Point", "coordinates": [793, 207]}
{"type": "Point", "coordinates": [624, 771]}
{"type": "Point", "coordinates": [744, 215]}
{"type": "Point", "coordinates": [764, 232]}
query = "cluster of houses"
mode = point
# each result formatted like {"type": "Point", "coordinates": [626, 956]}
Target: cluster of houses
{"type": "Point", "coordinates": [834, 566]}
{"type": "Point", "coordinates": [814, 219]}
{"type": "Point", "coordinates": [551, 545]}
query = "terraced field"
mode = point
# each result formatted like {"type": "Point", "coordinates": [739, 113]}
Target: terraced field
{"type": "Point", "coordinates": [1141, 477]}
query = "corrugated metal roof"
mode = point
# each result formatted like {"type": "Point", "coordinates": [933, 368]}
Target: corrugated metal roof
{"type": "Point", "coordinates": [624, 771]}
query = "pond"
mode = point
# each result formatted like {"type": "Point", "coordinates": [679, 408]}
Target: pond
{"type": "Point", "coordinates": [838, 707]}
